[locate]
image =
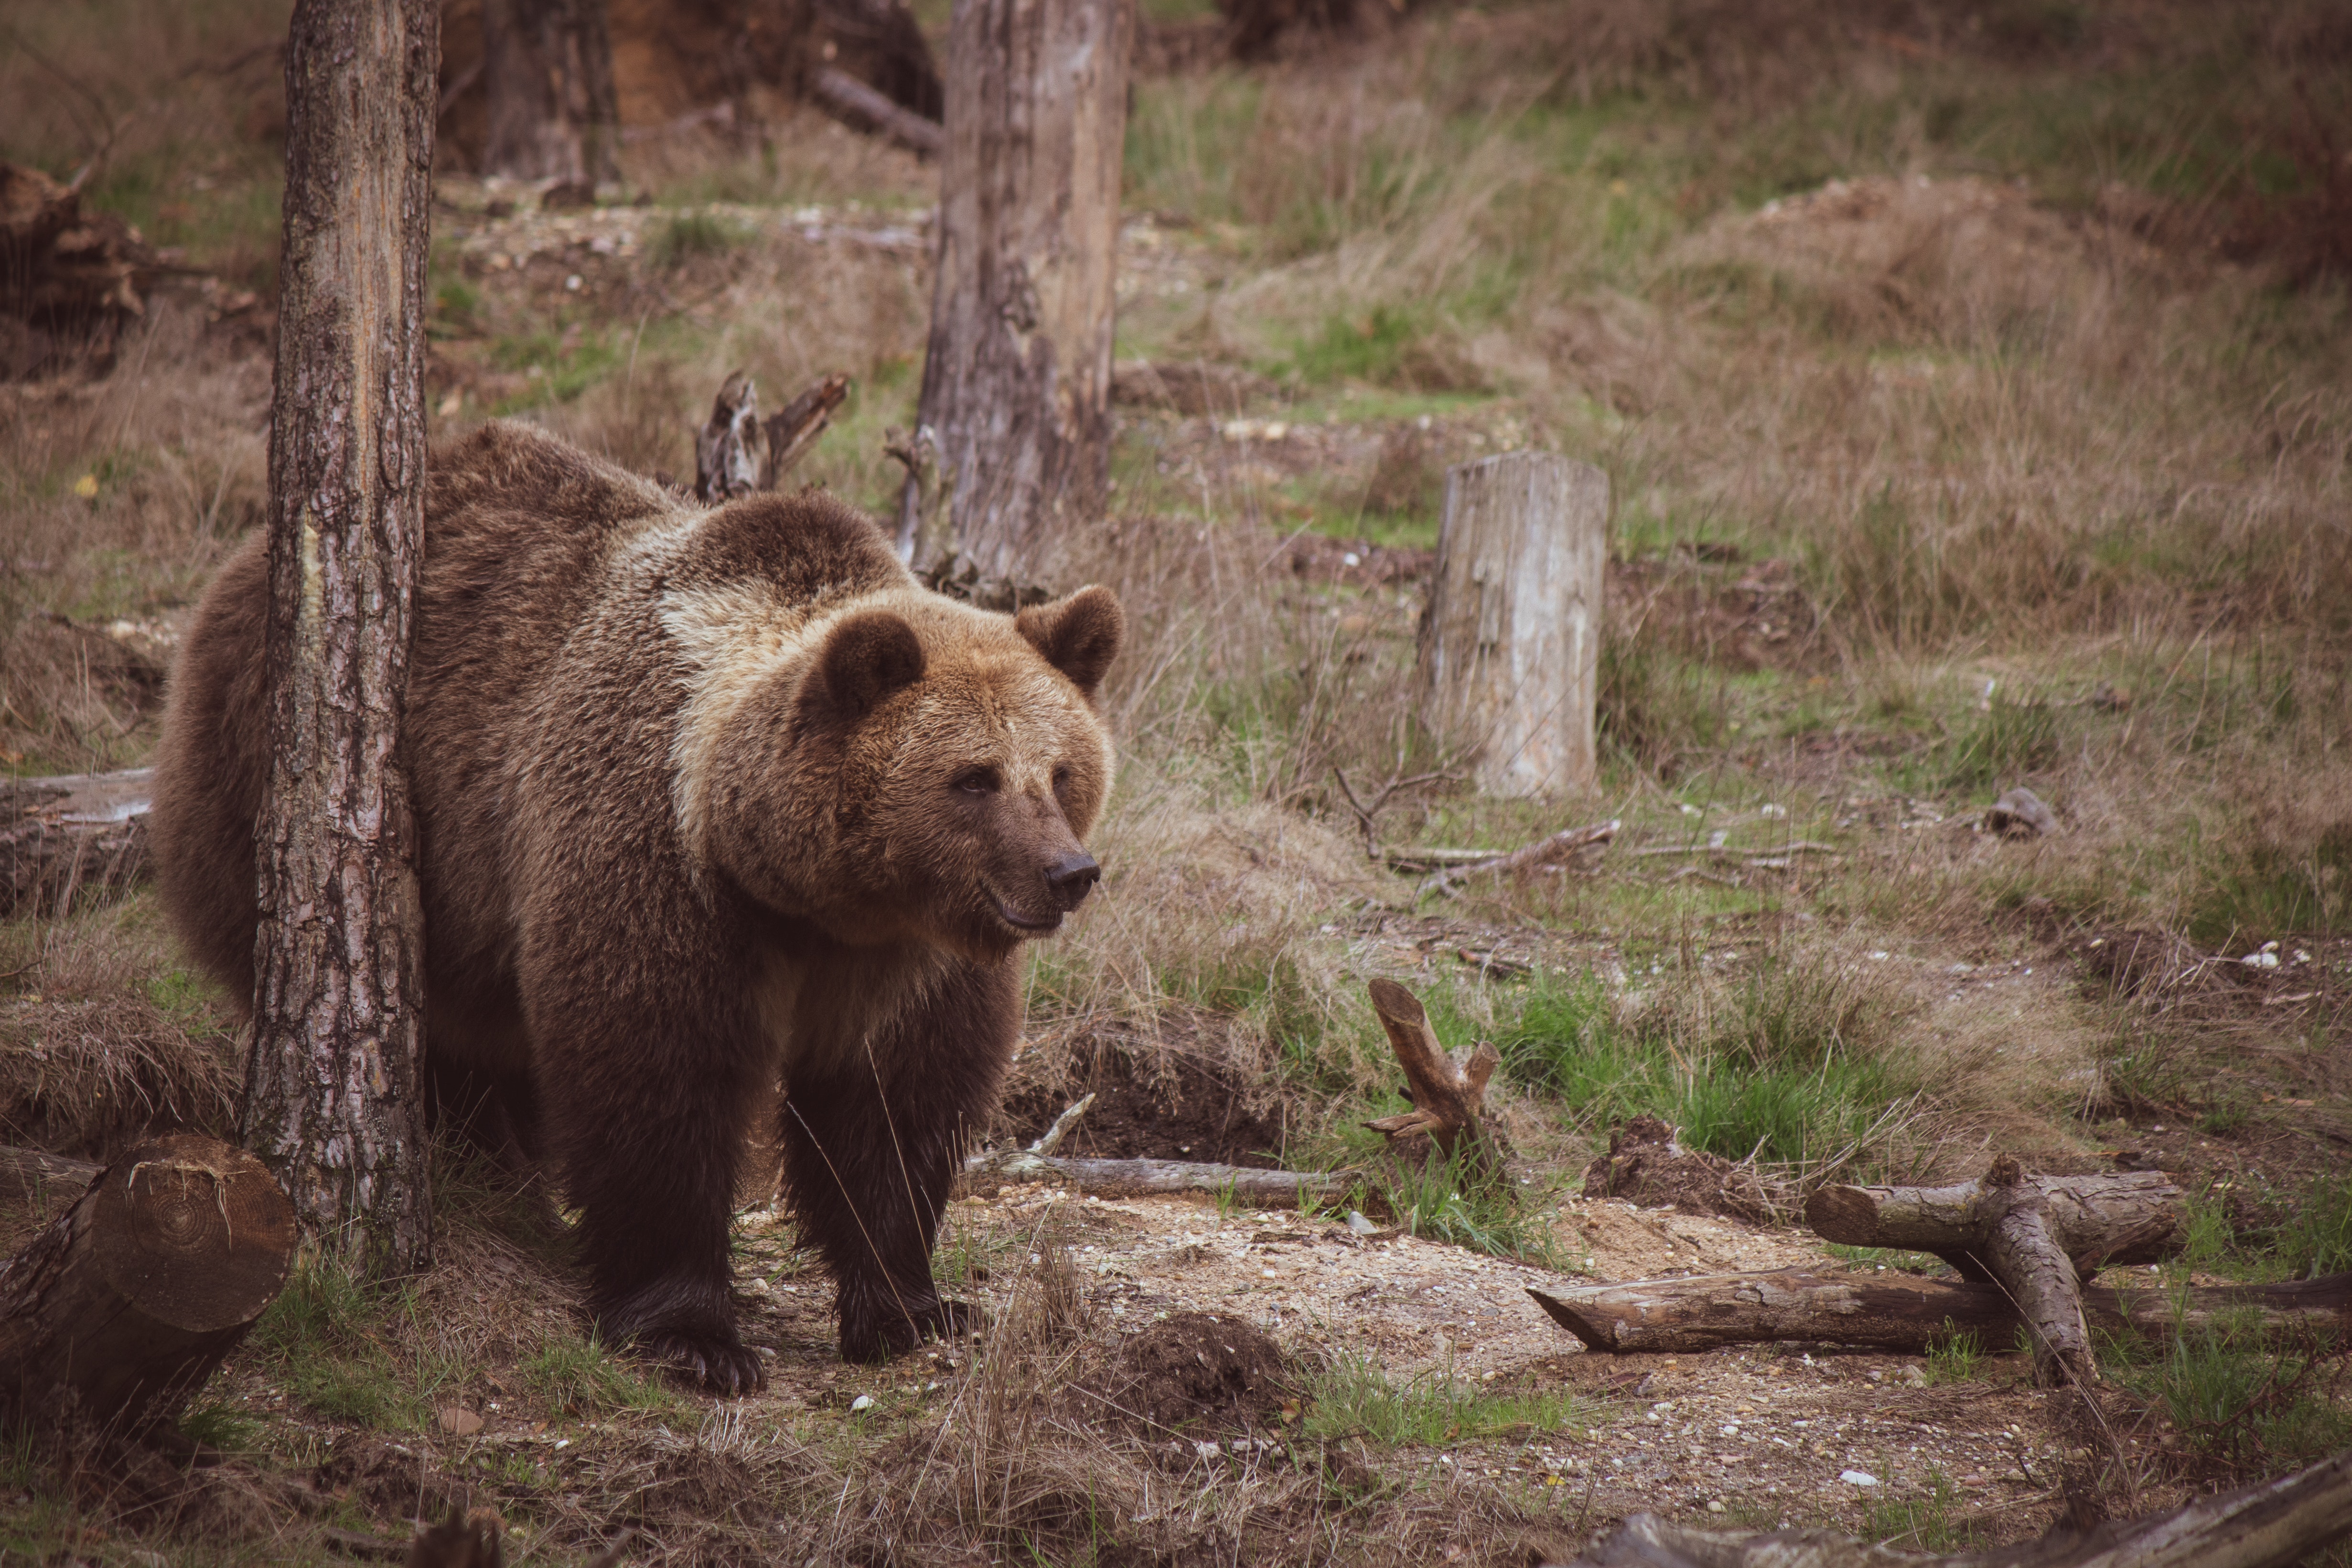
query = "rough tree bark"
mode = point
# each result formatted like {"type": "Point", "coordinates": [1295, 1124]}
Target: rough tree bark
{"type": "Point", "coordinates": [547, 72]}
{"type": "Point", "coordinates": [1016, 382]}
{"type": "Point", "coordinates": [332, 1097]}
{"type": "Point", "coordinates": [1510, 645]}
{"type": "Point", "coordinates": [124, 1304]}
{"type": "Point", "coordinates": [1902, 1314]}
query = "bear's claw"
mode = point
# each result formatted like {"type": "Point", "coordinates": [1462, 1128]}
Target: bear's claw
{"type": "Point", "coordinates": [725, 1366]}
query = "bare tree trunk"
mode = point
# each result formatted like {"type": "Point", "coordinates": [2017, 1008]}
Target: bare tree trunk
{"type": "Point", "coordinates": [1510, 646]}
{"type": "Point", "coordinates": [548, 74]}
{"type": "Point", "coordinates": [333, 1093]}
{"type": "Point", "coordinates": [1017, 381]}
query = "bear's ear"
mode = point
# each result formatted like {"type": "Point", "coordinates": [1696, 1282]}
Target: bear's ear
{"type": "Point", "coordinates": [1078, 636]}
{"type": "Point", "coordinates": [865, 658]}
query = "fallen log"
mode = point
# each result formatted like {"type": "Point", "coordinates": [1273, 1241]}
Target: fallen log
{"type": "Point", "coordinates": [124, 1304]}
{"type": "Point", "coordinates": [2037, 1237]}
{"type": "Point", "coordinates": [2267, 1525]}
{"type": "Point", "coordinates": [1908, 1315]}
{"type": "Point", "coordinates": [2132, 1216]}
{"type": "Point", "coordinates": [1446, 1098]}
{"type": "Point", "coordinates": [1143, 1178]}
{"type": "Point", "coordinates": [33, 1175]}
{"type": "Point", "coordinates": [72, 835]}
{"type": "Point", "coordinates": [866, 110]}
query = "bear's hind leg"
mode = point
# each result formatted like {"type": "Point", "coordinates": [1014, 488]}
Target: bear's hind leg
{"type": "Point", "coordinates": [871, 1151]}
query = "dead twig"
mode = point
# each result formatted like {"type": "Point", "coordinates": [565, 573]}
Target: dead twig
{"type": "Point", "coordinates": [1397, 785]}
{"type": "Point", "coordinates": [1537, 854]}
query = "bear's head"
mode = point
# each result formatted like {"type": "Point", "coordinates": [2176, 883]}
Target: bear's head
{"type": "Point", "coordinates": [925, 771]}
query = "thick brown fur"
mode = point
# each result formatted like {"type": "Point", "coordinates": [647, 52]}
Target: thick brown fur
{"type": "Point", "coordinates": [703, 799]}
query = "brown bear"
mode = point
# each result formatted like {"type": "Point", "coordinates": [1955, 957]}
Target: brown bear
{"type": "Point", "coordinates": [704, 800]}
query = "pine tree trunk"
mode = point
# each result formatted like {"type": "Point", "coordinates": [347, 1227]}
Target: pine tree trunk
{"type": "Point", "coordinates": [547, 74]}
{"type": "Point", "coordinates": [1017, 380]}
{"type": "Point", "coordinates": [1510, 646]}
{"type": "Point", "coordinates": [332, 1091]}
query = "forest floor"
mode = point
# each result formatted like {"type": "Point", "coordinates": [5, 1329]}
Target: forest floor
{"type": "Point", "coordinates": [1975, 414]}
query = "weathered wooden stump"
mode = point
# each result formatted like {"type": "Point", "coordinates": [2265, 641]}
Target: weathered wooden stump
{"type": "Point", "coordinates": [1448, 1102]}
{"type": "Point", "coordinates": [1016, 379]}
{"type": "Point", "coordinates": [1510, 646]}
{"type": "Point", "coordinates": [128, 1300]}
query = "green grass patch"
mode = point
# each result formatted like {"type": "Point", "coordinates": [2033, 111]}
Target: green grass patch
{"type": "Point", "coordinates": [1926, 1522]}
{"type": "Point", "coordinates": [1451, 1200]}
{"type": "Point", "coordinates": [582, 1378]}
{"type": "Point", "coordinates": [1354, 1396]}
{"type": "Point", "coordinates": [1791, 1061]}
{"type": "Point", "coordinates": [2236, 1401]}
{"type": "Point", "coordinates": [327, 1334]}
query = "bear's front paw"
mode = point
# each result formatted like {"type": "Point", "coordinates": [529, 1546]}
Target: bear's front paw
{"type": "Point", "coordinates": [720, 1363]}
{"type": "Point", "coordinates": [689, 1324]}
{"type": "Point", "coordinates": [893, 1328]}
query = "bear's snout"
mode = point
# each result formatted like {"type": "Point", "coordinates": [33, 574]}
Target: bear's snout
{"type": "Point", "coordinates": [1072, 878]}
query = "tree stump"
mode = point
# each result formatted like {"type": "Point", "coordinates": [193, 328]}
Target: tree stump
{"type": "Point", "coordinates": [333, 1091]}
{"type": "Point", "coordinates": [128, 1300]}
{"type": "Point", "coordinates": [1510, 645]}
{"type": "Point", "coordinates": [1016, 380]}
{"type": "Point", "coordinates": [547, 73]}
{"type": "Point", "coordinates": [1447, 1100]}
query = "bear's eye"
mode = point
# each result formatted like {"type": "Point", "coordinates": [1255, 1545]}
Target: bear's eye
{"type": "Point", "coordinates": [1062, 780]}
{"type": "Point", "coordinates": [976, 781]}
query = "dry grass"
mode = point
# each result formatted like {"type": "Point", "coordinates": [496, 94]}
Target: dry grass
{"type": "Point", "coordinates": [1873, 447]}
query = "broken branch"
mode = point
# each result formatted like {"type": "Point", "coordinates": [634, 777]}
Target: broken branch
{"type": "Point", "coordinates": [1535, 853]}
{"type": "Point", "coordinates": [1446, 1098]}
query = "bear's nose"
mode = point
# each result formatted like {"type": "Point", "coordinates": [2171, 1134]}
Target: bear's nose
{"type": "Point", "coordinates": [1071, 877]}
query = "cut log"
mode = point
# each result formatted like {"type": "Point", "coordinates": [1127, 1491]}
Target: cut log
{"type": "Point", "coordinates": [2131, 1217]}
{"type": "Point", "coordinates": [1446, 1098]}
{"type": "Point", "coordinates": [125, 1303]}
{"type": "Point", "coordinates": [1905, 1314]}
{"type": "Point", "coordinates": [1510, 653]}
{"type": "Point", "coordinates": [2267, 1525]}
{"type": "Point", "coordinates": [1138, 1178]}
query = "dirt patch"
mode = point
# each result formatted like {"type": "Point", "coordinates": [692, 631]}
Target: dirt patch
{"type": "Point", "coordinates": [1356, 563]}
{"type": "Point", "coordinates": [1179, 1109]}
{"type": "Point", "coordinates": [1199, 1374]}
{"type": "Point", "coordinates": [1647, 1163]}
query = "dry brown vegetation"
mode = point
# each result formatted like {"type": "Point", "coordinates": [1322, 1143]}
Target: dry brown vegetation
{"type": "Point", "coordinates": [1971, 384]}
